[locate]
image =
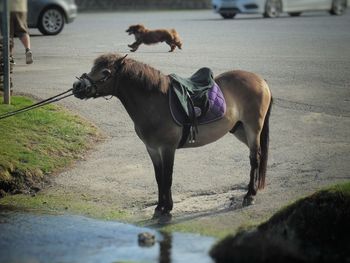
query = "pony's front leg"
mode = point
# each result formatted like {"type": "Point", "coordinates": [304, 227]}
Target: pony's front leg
{"type": "Point", "coordinates": [163, 162]}
{"type": "Point", "coordinates": [158, 170]}
{"type": "Point", "coordinates": [168, 156]}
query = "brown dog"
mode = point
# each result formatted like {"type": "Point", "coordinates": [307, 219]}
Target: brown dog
{"type": "Point", "coordinates": [146, 36]}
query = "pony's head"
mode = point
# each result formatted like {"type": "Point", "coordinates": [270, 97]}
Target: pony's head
{"type": "Point", "coordinates": [101, 80]}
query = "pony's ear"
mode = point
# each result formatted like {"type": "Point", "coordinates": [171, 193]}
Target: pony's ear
{"type": "Point", "coordinates": [120, 62]}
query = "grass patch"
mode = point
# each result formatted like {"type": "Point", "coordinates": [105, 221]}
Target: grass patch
{"type": "Point", "coordinates": [312, 229]}
{"type": "Point", "coordinates": [39, 142]}
{"type": "Point", "coordinates": [329, 194]}
{"type": "Point", "coordinates": [343, 189]}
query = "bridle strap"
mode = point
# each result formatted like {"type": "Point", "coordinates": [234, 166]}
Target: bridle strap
{"type": "Point", "coordinates": [117, 68]}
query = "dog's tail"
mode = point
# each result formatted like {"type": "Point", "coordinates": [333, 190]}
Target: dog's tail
{"type": "Point", "coordinates": [176, 38]}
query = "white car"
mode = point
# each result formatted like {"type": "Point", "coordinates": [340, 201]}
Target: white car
{"type": "Point", "coordinates": [273, 8]}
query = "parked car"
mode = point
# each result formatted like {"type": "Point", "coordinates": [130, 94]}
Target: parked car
{"type": "Point", "coordinates": [50, 16]}
{"type": "Point", "coordinates": [273, 8]}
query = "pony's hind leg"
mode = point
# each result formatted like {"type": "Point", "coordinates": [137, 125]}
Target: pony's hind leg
{"type": "Point", "coordinates": [254, 132]}
{"type": "Point", "coordinates": [258, 142]}
{"type": "Point", "coordinates": [253, 140]}
{"type": "Point", "coordinates": [250, 137]}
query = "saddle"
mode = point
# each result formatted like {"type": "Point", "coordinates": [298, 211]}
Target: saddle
{"type": "Point", "coordinates": [194, 101]}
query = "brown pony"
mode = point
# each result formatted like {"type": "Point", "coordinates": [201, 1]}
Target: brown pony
{"type": "Point", "coordinates": [143, 91]}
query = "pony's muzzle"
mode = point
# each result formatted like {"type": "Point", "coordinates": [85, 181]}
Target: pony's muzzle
{"type": "Point", "coordinates": [78, 89]}
{"type": "Point", "coordinates": [82, 88]}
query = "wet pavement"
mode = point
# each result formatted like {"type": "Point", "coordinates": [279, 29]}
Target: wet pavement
{"type": "Point", "coordinates": [34, 237]}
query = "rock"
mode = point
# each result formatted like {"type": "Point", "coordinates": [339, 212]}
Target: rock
{"type": "Point", "coordinates": [146, 239]}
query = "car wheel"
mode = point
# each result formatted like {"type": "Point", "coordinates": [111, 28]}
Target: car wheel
{"type": "Point", "coordinates": [273, 8]}
{"type": "Point", "coordinates": [228, 15]}
{"type": "Point", "coordinates": [338, 7]}
{"type": "Point", "coordinates": [51, 21]}
{"type": "Point", "coordinates": [294, 13]}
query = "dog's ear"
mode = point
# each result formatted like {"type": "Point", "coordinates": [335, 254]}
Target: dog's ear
{"type": "Point", "coordinates": [120, 63]}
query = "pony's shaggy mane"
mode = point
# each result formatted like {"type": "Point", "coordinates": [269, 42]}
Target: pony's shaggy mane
{"type": "Point", "coordinates": [139, 73]}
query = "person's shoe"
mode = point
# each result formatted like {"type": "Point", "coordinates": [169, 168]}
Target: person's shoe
{"type": "Point", "coordinates": [29, 56]}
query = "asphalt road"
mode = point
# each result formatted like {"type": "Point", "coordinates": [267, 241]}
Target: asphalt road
{"type": "Point", "coordinates": [305, 60]}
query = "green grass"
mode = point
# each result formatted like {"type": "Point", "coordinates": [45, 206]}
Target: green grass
{"type": "Point", "coordinates": [341, 188]}
{"type": "Point", "coordinates": [334, 193]}
{"type": "Point", "coordinates": [39, 142]}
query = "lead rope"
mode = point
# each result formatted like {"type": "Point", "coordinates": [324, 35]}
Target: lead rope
{"type": "Point", "coordinates": [55, 98]}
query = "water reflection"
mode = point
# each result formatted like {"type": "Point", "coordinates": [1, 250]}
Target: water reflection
{"type": "Point", "coordinates": [28, 237]}
{"type": "Point", "coordinates": [165, 248]}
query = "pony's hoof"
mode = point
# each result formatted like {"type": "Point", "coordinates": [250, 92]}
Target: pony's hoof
{"type": "Point", "coordinates": [132, 50]}
{"type": "Point", "coordinates": [165, 218]}
{"type": "Point", "coordinates": [248, 200]}
{"type": "Point", "coordinates": [157, 213]}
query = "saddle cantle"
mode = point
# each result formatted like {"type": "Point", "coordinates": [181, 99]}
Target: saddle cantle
{"type": "Point", "coordinates": [194, 101]}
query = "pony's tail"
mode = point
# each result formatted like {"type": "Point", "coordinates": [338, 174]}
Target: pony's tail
{"type": "Point", "coordinates": [264, 147]}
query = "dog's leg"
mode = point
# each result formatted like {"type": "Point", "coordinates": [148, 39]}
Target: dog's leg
{"type": "Point", "coordinates": [178, 44]}
{"type": "Point", "coordinates": [172, 46]}
{"type": "Point", "coordinates": [134, 46]}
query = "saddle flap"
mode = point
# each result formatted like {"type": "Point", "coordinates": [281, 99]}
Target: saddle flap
{"type": "Point", "coordinates": [194, 101]}
{"type": "Point", "coordinates": [202, 77]}
{"type": "Point", "coordinates": [194, 88]}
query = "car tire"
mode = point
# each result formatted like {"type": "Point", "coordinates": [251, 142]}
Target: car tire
{"type": "Point", "coordinates": [338, 7]}
{"type": "Point", "coordinates": [273, 8]}
{"type": "Point", "coordinates": [228, 15]}
{"type": "Point", "coordinates": [294, 13]}
{"type": "Point", "coordinates": [51, 21]}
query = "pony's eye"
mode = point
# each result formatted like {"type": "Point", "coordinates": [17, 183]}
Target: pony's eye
{"type": "Point", "coordinates": [106, 72]}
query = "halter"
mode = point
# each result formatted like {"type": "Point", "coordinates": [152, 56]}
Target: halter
{"type": "Point", "coordinates": [91, 85]}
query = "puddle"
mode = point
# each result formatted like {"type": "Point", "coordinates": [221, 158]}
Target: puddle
{"type": "Point", "coordinates": [29, 237]}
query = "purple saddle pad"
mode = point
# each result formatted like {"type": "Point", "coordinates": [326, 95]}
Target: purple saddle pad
{"type": "Point", "coordinates": [216, 109]}
{"type": "Point", "coordinates": [217, 106]}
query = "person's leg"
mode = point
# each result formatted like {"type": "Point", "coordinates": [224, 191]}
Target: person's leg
{"type": "Point", "coordinates": [25, 39]}
{"type": "Point", "coordinates": [21, 30]}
